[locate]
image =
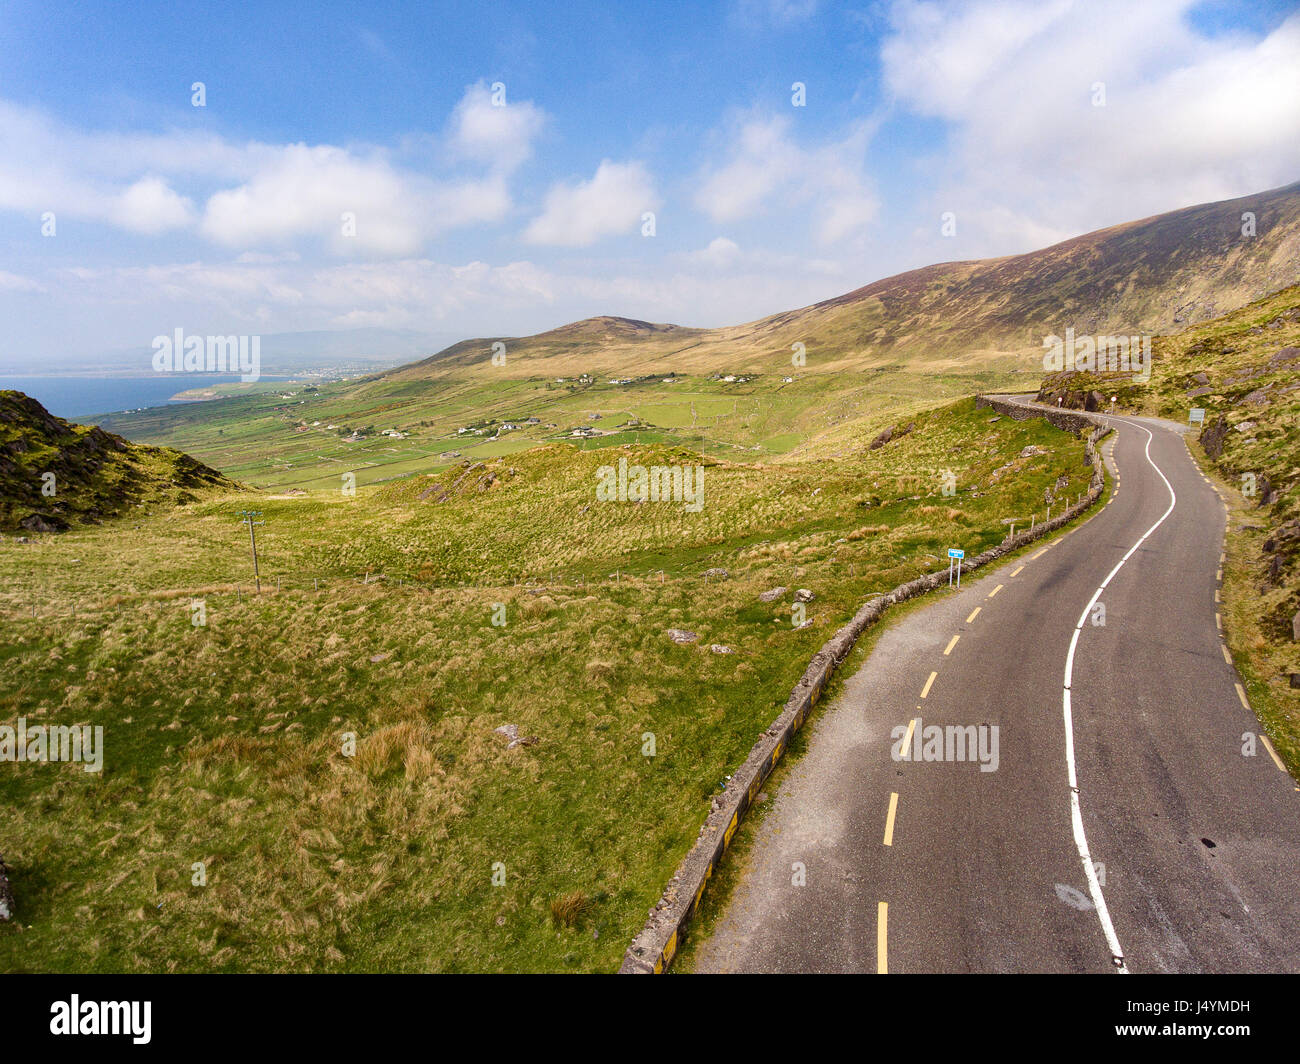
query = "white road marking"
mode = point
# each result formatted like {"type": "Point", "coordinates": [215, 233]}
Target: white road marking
{"type": "Point", "coordinates": [1076, 813]}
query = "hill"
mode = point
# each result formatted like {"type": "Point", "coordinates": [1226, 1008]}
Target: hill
{"type": "Point", "coordinates": [54, 474]}
{"type": "Point", "coordinates": [1155, 275]}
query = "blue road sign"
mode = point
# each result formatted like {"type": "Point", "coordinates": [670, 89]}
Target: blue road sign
{"type": "Point", "coordinates": [953, 552]}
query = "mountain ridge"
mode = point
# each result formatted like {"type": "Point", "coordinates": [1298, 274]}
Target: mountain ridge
{"type": "Point", "coordinates": [1151, 275]}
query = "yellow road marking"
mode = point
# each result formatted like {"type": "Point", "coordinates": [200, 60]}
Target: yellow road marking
{"type": "Point", "coordinates": [882, 938]}
{"type": "Point", "coordinates": [1216, 594]}
{"type": "Point", "coordinates": [1272, 753]}
{"type": "Point", "coordinates": [1019, 571]}
{"type": "Point", "coordinates": [1218, 575]}
{"type": "Point", "coordinates": [1218, 622]}
{"type": "Point", "coordinates": [926, 689]}
{"type": "Point", "coordinates": [907, 739]}
{"type": "Point", "coordinates": [974, 614]}
{"type": "Point", "coordinates": [889, 819]}
{"type": "Point", "coordinates": [948, 649]}
{"type": "Point", "coordinates": [1039, 554]}
{"type": "Point", "coordinates": [1226, 656]}
{"type": "Point", "coordinates": [1242, 695]}
{"type": "Point", "coordinates": [995, 590]}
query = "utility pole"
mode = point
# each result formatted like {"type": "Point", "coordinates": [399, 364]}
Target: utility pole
{"type": "Point", "coordinates": [247, 516]}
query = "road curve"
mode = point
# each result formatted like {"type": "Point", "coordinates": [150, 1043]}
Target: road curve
{"type": "Point", "coordinates": [1134, 821]}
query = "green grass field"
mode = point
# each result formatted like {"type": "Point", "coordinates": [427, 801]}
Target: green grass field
{"type": "Point", "coordinates": [225, 743]}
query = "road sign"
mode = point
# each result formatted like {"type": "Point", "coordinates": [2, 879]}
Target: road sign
{"type": "Point", "coordinates": [1197, 414]}
{"type": "Point", "coordinates": [955, 555]}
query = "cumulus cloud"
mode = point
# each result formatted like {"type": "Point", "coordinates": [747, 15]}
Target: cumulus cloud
{"type": "Point", "coordinates": [611, 203]}
{"type": "Point", "coordinates": [337, 195]}
{"type": "Point", "coordinates": [1186, 118]}
{"type": "Point", "coordinates": [267, 194]}
{"type": "Point", "coordinates": [500, 136]}
{"type": "Point", "coordinates": [768, 169]}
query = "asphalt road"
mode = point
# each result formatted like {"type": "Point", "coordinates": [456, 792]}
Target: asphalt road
{"type": "Point", "coordinates": [1177, 851]}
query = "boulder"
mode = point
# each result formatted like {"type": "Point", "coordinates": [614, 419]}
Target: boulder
{"type": "Point", "coordinates": [804, 595]}
{"type": "Point", "coordinates": [510, 732]}
{"type": "Point", "coordinates": [681, 635]}
{"type": "Point", "coordinates": [715, 574]}
{"type": "Point", "coordinates": [720, 648]}
{"type": "Point", "coordinates": [773, 595]}
{"type": "Point", "coordinates": [1212, 437]}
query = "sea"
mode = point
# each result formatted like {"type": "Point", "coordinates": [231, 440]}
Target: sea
{"type": "Point", "coordinates": [82, 397]}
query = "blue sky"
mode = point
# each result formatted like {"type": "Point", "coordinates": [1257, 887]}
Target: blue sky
{"type": "Point", "coordinates": [473, 218]}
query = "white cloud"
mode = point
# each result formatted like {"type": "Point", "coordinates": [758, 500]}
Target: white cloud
{"type": "Point", "coordinates": [1187, 118]}
{"type": "Point", "coordinates": [12, 282]}
{"type": "Point", "coordinates": [611, 203]}
{"type": "Point", "coordinates": [267, 194]}
{"type": "Point", "coordinates": [767, 171]}
{"type": "Point", "coordinates": [721, 254]}
{"type": "Point", "coordinates": [306, 191]}
{"type": "Point", "coordinates": [151, 206]}
{"type": "Point", "coordinates": [499, 136]}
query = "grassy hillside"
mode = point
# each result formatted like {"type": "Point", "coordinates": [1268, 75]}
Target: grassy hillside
{"type": "Point", "coordinates": [225, 742]}
{"type": "Point", "coordinates": [54, 474]}
{"type": "Point", "coordinates": [879, 353]}
{"type": "Point", "coordinates": [1153, 275]}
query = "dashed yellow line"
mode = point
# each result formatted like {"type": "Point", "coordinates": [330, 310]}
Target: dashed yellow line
{"type": "Point", "coordinates": [1226, 656]}
{"type": "Point", "coordinates": [907, 739]}
{"type": "Point", "coordinates": [882, 938]}
{"type": "Point", "coordinates": [974, 614]}
{"type": "Point", "coordinates": [995, 590]}
{"type": "Point", "coordinates": [1040, 553]}
{"type": "Point", "coordinates": [1019, 571]}
{"type": "Point", "coordinates": [1241, 693]}
{"type": "Point", "coordinates": [889, 819]}
{"type": "Point", "coordinates": [952, 643]}
{"type": "Point", "coordinates": [926, 689]}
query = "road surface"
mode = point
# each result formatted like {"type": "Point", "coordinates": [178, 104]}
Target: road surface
{"type": "Point", "coordinates": [1124, 826]}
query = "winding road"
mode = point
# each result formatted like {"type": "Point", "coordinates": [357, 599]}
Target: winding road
{"type": "Point", "coordinates": [1134, 819]}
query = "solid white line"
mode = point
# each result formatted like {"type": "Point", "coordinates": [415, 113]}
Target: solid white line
{"type": "Point", "coordinates": [1076, 814]}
